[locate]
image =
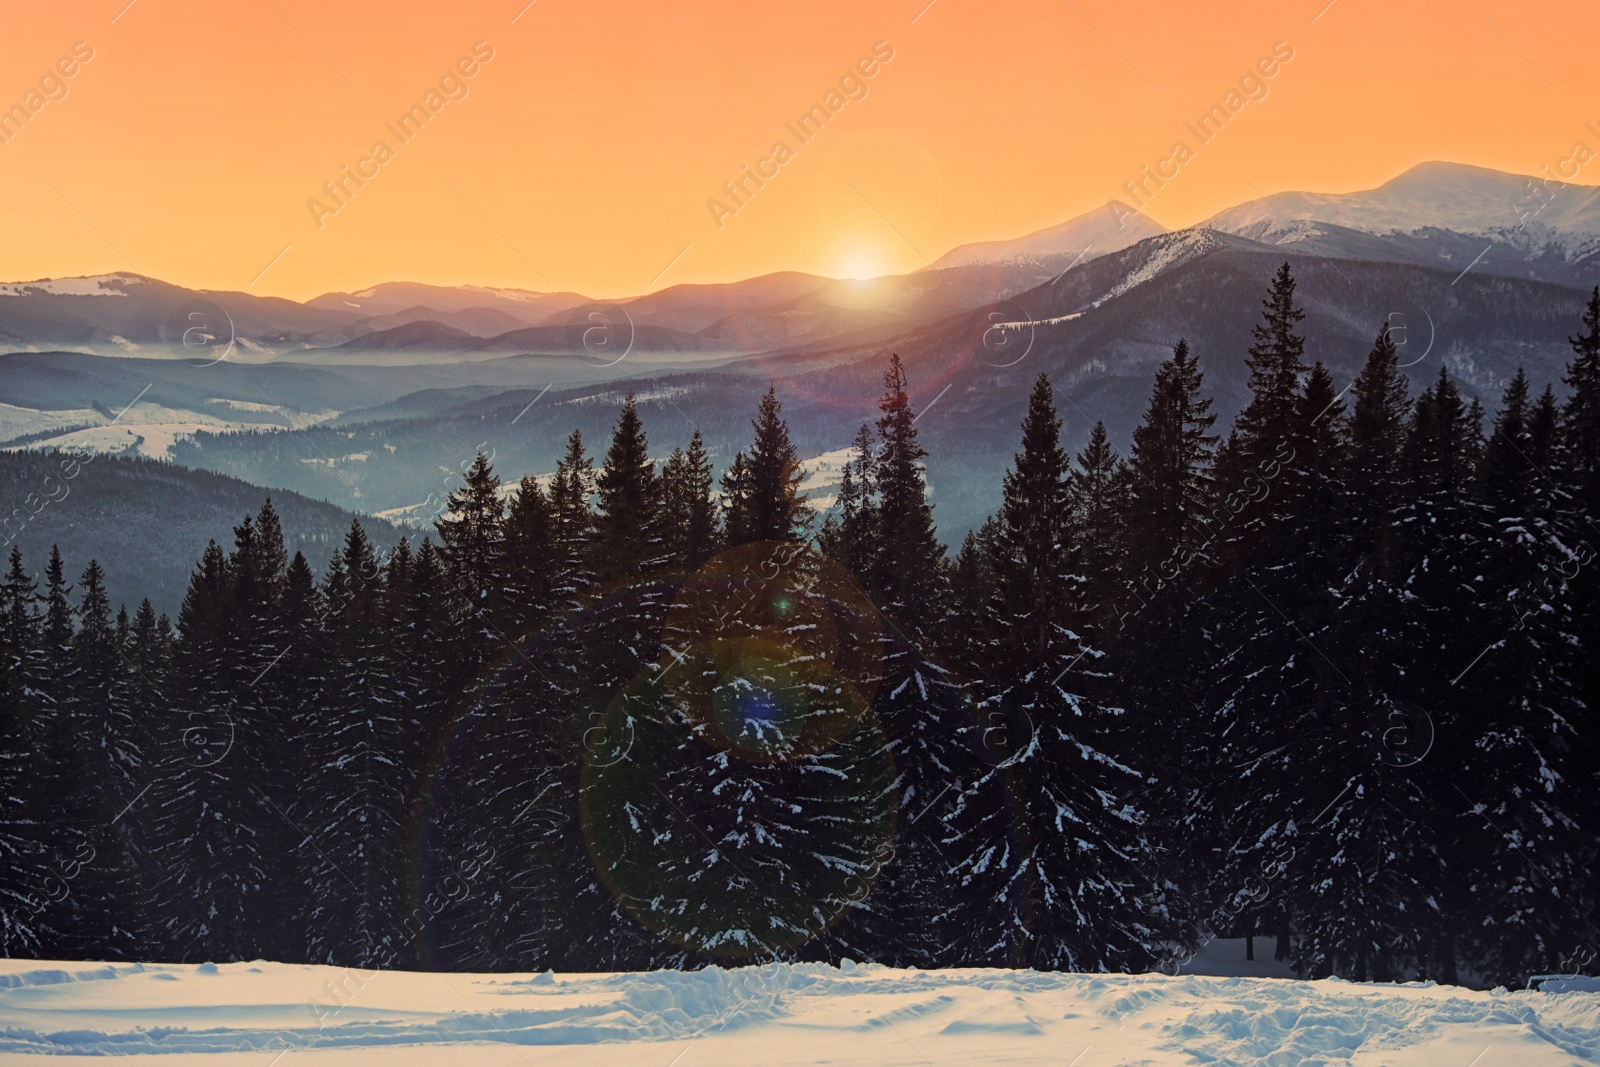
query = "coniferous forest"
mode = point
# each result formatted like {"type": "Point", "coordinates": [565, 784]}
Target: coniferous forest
{"type": "Point", "coordinates": [1324, 678]}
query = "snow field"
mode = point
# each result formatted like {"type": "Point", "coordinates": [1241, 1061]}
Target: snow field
{"type": "Point", "coordinates": [776, 1014]}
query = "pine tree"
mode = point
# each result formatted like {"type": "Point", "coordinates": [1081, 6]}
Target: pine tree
{"type": "Point", "coordinates": [628, 554]}
{"type": "Point", "coordinates": [1170, 493]}
{"type": "Point", "coordinates": [689, 514]}
{"type": "Point", "coordinates": [627, 544]}
{"type": "Point", "coordinates": [887, 530]}
{"type": "Point", "coordinates": [1275, 536]}
{"type": "Point", "coordinates": [967, 637]}
{"type": "Point", "coordinates": [63, 803]}
{"type": "Point", "coordinates": [290, 689]}
{"type": "Point", "coordinates": [1577, 472]}
{"type": "Point", "coordinates": [736, 788]}
{"type": "Point", "coordinates": [436, 766]}
{"type": "Point", "coordinates": [468, 810]}
{"type": "Point", "coordinates": [472, 545]}
{"type": "Point", "coordinates": [618, 640]}
{"type": "Point", "coordinates": [761, 491]}
{"type": "Point", "coordinates": [735, 488]}
{"type": "Point", "coordinates": [1365, 908]}
{"type": "Point", "coordinates": [1158, 635]}
{"type": "Point", "coordinates": [356, 818]}
{"type": "Point", "coordinates": [570, 494]}
{"type": "Point", "coordinates": [142, 684]}
{"type": "Point", "coordinates": [471, 536]}
{"type": "Point", "coordinates": [1276, 371]}
{"type": "Point", "coordinates": [1580, 418]}
{"type": "Point", "coordinates": [1070, 891]}
{"type": "Point", "coordinates": [849, 530]}
{"type": "Point", "coordinates": [532, 561]}
{"type": "Point", "coordinates": [1036, 575]}
{"type": "Point", "coordinates": [254, 641]}
{"type": "Point", "coordinates": [206, 824]}
{"type": "Point", "coordinates": [1097, 490]}
{"type": "Point", "coordinates": [1519, 709]}
{"type": "Point", "coordinates": [906, 576]}
{"type": "Point", "coordinates": [1294, 727]}
{"type": "Point", "coordinates": [19, 684]}
{"type": "Point", "coordinates": [1376, 476]}
{"type": "Point", "coordinates": [1444, 526]}
{"type": "Point", "coordinates": [22, 846]}
{"type": "Point", "coordinates": [56, 635]}
{"type": "Point", "coordinates": [94, 784]}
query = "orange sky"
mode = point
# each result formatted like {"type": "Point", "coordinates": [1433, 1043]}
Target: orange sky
{"type": "Point", "coordinates": [585, 151]}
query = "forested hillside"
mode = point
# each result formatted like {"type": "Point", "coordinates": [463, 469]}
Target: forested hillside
{"type": "Point", "coordinates": [145, 520]}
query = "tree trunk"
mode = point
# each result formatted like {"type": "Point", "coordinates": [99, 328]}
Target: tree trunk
{"type": "Point", "coordinates": [1446, 949]}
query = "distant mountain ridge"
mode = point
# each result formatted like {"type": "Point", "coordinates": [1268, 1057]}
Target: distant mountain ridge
{"type": "Point", "coordinates": [1109, 228]}
{"type": "Point", "coordinates": [1444, 196]}
{"type": "Point", "coordinates": [388, 298]}
{"type": "Point", "coordinates": [1452, 216]}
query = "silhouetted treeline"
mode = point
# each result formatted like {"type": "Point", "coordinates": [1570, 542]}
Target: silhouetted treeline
{"type": "Point", "coordinates": [1326, 678]}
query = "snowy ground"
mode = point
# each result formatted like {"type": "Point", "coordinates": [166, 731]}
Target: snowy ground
{"type": "Point", "coordinates": [153, 429]}
{"type": "Point", "coordinates": [270, 1013]}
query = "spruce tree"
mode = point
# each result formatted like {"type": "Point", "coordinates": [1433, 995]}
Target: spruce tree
{"type": "Point", "coordinates": [1097, 488]}
{"type": "Point", "coordinates": [22, 846]}
{"type": "Point", "coordinates": [60, 796]}
{"type": "Point", "coordinates": [627, 544]}
{"type": "Point", "coordinates": [1519, 708]}
{"type": "Point", "coordinates": [966, 639]}
{"type": "Point", "coordinates": [1580, 418]}
{"type": "Point", "coordinates": [472, 545]}
{"type": "Point", "coordinates": [1159, 644]}
{"type": "Point", "coordinates": [907, 571]}
{"type": "Point", "coordinates": [56, 636]}
{"type": "Point", "coordinates": [532, 560]}
{"type": "Point", "coordinates": [1442, 628]}
{"type": "Point", "coordinates": [355, 817]}
{"type": "Point", "coordinates": [1170, 493]}
{"type": "Point", "coordinates": [1276, 372]}
{"type": "Point", "coordinates": [570, 498]}
{"type": "Point", "coordinates": [735, 488]}
{"type": "Point", "coordinates": [255, 640]}
{"type": "Point", "coordinates": [762, 489]}
{"type": "Point", "coordinates": [888, 530]}
{"type": "Point", "coordinates": [689, 514]}
{"type": "Point", "coordinates": [97, 779]}
{"type": "Point", "coordinates": [1071, 892]}
{"type": "Point", "coordinates": [207, 824]}
{"type": "Point", "coordinates": [1578, 476]}
{"type": "Point", "coordinates": [1160, 639]}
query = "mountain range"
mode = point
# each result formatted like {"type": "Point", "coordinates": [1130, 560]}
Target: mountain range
{"type": "Point", "coordinates": [1445, 215]}
{"type": "Point", "coordinates": [370, 400]}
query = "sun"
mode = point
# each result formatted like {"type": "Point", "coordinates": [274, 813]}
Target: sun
{"type": "Point", "coordinates": [859, 261]}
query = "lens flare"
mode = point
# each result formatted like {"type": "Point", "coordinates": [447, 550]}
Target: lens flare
{"type": "Point", "coordinates": [740, 858]}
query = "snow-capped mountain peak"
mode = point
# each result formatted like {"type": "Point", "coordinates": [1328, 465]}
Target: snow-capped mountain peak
{"type": "Point", "coordinates": [1445, 196]}
{"type": "Point", "coordinates": [93, 285]}
{"type": "Point", "coordinates": [1108, 228]}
